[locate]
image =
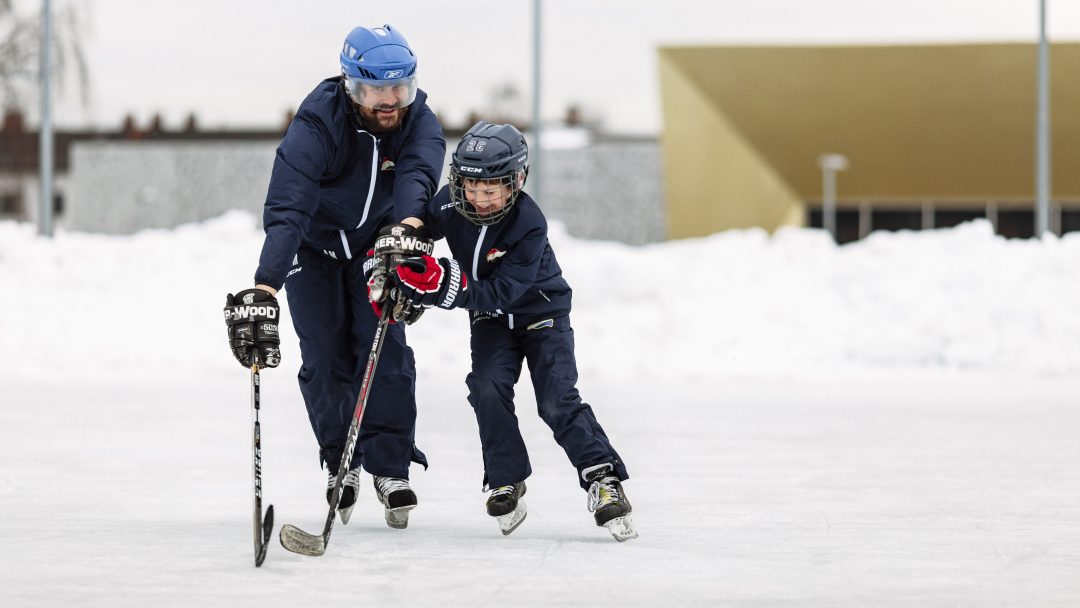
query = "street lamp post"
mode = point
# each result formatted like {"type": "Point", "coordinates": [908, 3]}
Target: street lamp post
{"type": "Point", "coordinates": [1042, 131]}
{"type": "Point", "coordinates": [830, 164]}
{"type": "Point", "coordinates": [536, 184]}
{"type": "Point", "coordinates": [45, 137]}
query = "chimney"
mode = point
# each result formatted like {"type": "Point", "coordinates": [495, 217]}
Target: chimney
{"type": "Point", "coordinates": [13, 122]}
{"type": "Point", "coordinates": [129, 129]}
{"type": "Point", "coordinates": [573, 116]}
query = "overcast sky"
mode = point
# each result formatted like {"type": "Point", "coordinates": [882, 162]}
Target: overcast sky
{"type": "Point", "coordinates": [246, 63]}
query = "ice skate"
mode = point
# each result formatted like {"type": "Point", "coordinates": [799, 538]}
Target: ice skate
{"type": "Point", "coordinates": [507, 506]}
{"type": "Point", "coordinates": [609, 504]}
{"type": "Point", "coordinates": [348, 493]}
{"type": "Point", "coordinates": [398, 499]}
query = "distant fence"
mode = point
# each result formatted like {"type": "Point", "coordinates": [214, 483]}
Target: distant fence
{"type": "Point", "coordinates": [607, 190]}
{"type": "Point", "coordinates": [122, 187]}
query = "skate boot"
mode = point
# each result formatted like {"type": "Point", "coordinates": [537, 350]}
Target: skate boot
{"type": "Point", "coordinates": [608, 502]}
{"type": "Point", "coordinates": [398, 499]}
{"type": "Point", "coordinates": [348, 493]}
{"type": "Point", "coordinates": [507, 506]}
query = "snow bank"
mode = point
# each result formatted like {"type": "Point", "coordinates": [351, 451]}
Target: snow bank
{"type": "Point", "coordinates": [734, 302]}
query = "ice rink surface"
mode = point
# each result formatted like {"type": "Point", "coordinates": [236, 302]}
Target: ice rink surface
{"type": "Point", "coordinates": [874, 489]}
{"type": "Point", "coordinates": [911, 455]}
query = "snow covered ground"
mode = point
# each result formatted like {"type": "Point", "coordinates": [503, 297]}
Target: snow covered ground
{"type": "Point", "coordinates": [892, 422]}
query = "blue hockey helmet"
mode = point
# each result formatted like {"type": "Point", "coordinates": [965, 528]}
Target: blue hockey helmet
{"type": "Point", "coordinates": [493, 159]}
{"type": "Point", "coordinates": [378, 68]}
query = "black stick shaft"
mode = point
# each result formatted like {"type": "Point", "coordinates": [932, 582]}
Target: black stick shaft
{"type": "Point", "coordinates": [256, 465]}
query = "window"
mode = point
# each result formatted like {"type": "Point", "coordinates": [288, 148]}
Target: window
{"type": "Point", "coordinates": [1070, 220]}
{"type": "Point", "coordinates": [952, 217]}
{"type": "Point", "coordinates": [895, 219]}
{"type": "Point", "coordinates": [847, 224]}
{"type": "Point", "coordinates": [11, 204]}
{"type": "Point", "coordinates": [1016, 224]}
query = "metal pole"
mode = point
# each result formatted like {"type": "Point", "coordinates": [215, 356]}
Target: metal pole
{"type": "Point", "coordinates": [1042, 131]}
{"type": "Point", "coordinates": [830, 164]}
{"type": "Point", "coordinates": [866, 219]}
{"type": "Point", "coordinates": [45, 205]}
{"type": "Point", "coordinates": [534, 162]}
{"type": "Point", "coordinates": [828, 201]}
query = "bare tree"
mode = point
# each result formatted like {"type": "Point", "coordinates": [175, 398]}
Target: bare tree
{"type": "Point", "coordinates": [20, 51]}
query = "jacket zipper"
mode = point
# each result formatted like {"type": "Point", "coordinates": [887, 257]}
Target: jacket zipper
{"type": "Point", "coordinates": [476, 252]}
{"type": "Point", "coordinates": [476, 263]}
{"type": "Point", "coordinates": [370, 192]}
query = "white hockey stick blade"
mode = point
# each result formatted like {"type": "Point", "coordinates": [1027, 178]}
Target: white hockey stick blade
{"type": "Point", "coordinates": [622, 528]}
{"type": "Point", "coordinates": [296, 540]}
{"type": "Point", "coordinates": [510, 522]}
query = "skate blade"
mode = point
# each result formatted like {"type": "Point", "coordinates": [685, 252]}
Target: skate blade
{"type": "Point", "coordinates": [510, 522]}
{"type": "Point", "coordinates": [398, 519]}
{"type": "Point", "coordinates": [622, 528]}
{"type": "Point", "coordinates": [296, 540]}
{"type": "Point", "coordinates": [345, 514]}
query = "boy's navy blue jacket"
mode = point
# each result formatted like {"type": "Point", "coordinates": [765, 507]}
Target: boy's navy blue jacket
{"type": "Point", "coordinates": [511, 267]}
{"type": "Point", "coordinates": [334, 184]}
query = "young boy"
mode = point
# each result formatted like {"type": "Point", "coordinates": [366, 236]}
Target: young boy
{"type": "Point", "coordinates": [504, 272]}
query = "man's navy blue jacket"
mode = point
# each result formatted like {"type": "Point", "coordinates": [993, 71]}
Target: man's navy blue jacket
{"type": "Point", "coordinates": [511, 267]}
{"type": "Point", "coordinates": [334, 184]}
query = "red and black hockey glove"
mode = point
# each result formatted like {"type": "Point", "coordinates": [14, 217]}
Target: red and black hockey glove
{"type": "Point", "coordinates": [393, 243]}
{"type": "Point", "coordinates": [429, 282]}
{"type": "Point", "coordinates": [383, 293]}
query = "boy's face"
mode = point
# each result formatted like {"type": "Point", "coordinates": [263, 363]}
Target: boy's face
{"type": "Point", "coordinates": [486, 196]}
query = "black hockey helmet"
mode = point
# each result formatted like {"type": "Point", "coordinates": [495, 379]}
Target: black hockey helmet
{"type": "Point", "coordinates": [488, 152]}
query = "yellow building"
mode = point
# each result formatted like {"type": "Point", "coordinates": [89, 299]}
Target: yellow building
{"type": "Point", "coordinates": [934, 134]}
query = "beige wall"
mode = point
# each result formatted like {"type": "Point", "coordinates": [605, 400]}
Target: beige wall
{"type": "Point", "coordinates": [712, 176]}
{"type": "Point", "coordinates": [946, 123]}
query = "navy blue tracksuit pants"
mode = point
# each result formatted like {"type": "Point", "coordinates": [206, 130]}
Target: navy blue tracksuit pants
{"type": "Point", "coordinates": [497, 353]}
{"type": "Point", "coordinates": [334, 321]}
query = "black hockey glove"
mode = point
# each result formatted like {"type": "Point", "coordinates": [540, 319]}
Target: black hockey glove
{"type": "Point", "coordinates": [429, 282]}
{"type": "Point", "coordinates": [251, 317]}
{"type": "Point", "coordinates": [394, 242]}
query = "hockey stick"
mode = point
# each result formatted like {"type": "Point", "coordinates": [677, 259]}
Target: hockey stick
{"type": "Point", "coordinates": [263, 527]}
{"type": "Point", "coordinates": [296, 540]}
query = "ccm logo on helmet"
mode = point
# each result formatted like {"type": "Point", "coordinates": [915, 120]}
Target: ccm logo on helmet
{"type": "Point", "coordinates": [470, 169]}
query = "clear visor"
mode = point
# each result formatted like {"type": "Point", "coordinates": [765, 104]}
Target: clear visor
{"type": "Point", "coordinates": [484, 201]}
{"type": "Point", "coordinates": [381, 94]}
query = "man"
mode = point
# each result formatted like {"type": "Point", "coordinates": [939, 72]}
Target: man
{"type": "Point", "coordinates": [363, 153]}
